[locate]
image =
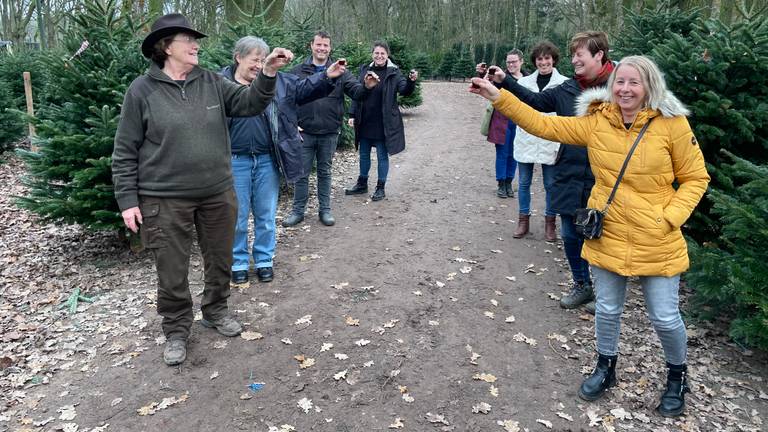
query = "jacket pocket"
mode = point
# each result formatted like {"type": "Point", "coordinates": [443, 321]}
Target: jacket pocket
{"type": "Point", "coordinates": [152, 235]}
{"type": "Point", "coordinates": [661, 223]}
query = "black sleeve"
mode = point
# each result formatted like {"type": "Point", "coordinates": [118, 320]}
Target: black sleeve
{"type": "Point", "coordinates": [545, 101]}
{"type": "Point", "coordinates": [353, 88]}
{"type": "Point", "coordinates": [404, 85]}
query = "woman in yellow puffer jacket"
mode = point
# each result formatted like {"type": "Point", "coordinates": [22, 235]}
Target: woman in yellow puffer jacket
{"type": "Point", "coordinates": [641, 234]}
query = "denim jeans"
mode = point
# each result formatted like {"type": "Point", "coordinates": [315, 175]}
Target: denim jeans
{"type": "Point", "coordinates": [572, 243]}
{"type": "Point", "coordinates": [661, 302]}
{"type": "Point", "coordinates": [505, 157]}
{"type": "Point", "coordinates": [257, 185]}
{"type": "Point", "coordinates": [525, 180]}
{"type": "Point", "coordinates": [381, 156]}
{"type": "Point", "coordinates": [320, 147]}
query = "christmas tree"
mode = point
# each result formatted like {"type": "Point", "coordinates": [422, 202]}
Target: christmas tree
{"type": "Point", "coordinates": [70, 178]}
{"type": "Point", "coordinates": [446, 68]}
{"type": "Point", "coordinates": [730, 273]}
{"type": "Point", "coordinates": [464, 67]}
{"type": "Point", "coordinates": [12, 98]}
{"type": "Point", "coordinates": [721, 73]}
{"type": "Point", "coordinates": [405, 58]}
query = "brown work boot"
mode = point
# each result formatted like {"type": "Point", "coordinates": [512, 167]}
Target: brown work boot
{"type": "Point", "coordinates": [523, 224]}
{"type": "Point", "coordinates": [550, 229]}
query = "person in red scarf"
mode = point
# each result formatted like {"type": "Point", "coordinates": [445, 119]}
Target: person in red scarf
{"type": "Point", "coordinates": [572, 177]}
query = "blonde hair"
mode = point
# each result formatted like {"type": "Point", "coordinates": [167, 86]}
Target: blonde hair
{"type": "Point", "coordinates": [652, 78]}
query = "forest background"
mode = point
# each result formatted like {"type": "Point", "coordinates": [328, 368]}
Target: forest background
{"type": "Point", "coordinates": [714, 54]}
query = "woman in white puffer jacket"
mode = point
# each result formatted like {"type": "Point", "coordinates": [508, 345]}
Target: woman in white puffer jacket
{"type": "Point", "coordinates": [531, 150]}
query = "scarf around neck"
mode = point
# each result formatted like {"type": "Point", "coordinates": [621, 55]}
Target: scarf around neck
{"type": "Point", "coordinates": [601, 77]}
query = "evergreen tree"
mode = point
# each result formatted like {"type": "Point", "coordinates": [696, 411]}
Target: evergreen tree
{"type": "Point", "coordinates": [13, 123]}
{"type": "Point", "coordinates": [404, 57]}
{"type": "Point", "coordinates": [464, 67]}
{"type": "Point", "coordinates": [721, 73]}
{"type": "Point", "coordinates": [70, 177]}
{"type": "Point", "coordinates": [12, 98]}
{"type": "Point", "coordinates": [655, 28]}
{"type": "Point", "coordinates": [446, 68]}
{"type": "Point", "coordinates": [218, 53]}
{"type": "Point", "coordinates": [421, 62]}
{"type": "Point", "coordinates": [730, 272]}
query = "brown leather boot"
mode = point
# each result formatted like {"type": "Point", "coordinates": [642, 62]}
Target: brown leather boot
{"type": "Point", "coordinates": [523, 224]}
{"type": "Point", "coordinates": [550, 229]}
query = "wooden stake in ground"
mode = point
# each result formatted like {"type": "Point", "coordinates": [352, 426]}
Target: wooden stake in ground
{"type": "Point", "coordinates": [30, 108]}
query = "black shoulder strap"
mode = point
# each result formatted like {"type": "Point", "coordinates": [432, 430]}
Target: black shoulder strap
{"type": "Point", "coordinates": [626, 162]}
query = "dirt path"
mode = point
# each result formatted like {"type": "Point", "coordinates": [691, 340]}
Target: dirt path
{"type": "Point", "coordinates": [415, 303]}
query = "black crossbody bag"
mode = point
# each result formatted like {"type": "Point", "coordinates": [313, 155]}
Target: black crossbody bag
{"type": "Point", "coordinates": [589, 221]}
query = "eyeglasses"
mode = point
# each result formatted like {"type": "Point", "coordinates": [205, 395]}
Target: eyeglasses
{"type": "Point", "coordinates": [186, 38]}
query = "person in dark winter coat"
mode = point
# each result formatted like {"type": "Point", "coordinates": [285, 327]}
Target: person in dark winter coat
{"type": "Point", "coordinates": [320, 123]}
{"type": "Point", "coordinates": [172, 175]}
{"type": "Point", "coordinates": [263, 146]}
{"type": "Point", "coordinates": [572, 179]}
{"type": "Point", "coordinates": [377, 120]}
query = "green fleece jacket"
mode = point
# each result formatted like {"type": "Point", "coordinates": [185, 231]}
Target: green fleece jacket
{"type": "Point", "coordinates": [173, 141]}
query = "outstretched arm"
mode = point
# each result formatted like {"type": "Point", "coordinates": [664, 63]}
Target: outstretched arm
{"type": "Point", "coordinates": [313, 87]}
{"type": "Point", "coordinates": [575, 130]}
{"type": "Point", "coordinates": [545, 101]}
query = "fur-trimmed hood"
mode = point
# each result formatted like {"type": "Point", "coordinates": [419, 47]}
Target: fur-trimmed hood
{"type": "Point", "coordinates": [597, 99]}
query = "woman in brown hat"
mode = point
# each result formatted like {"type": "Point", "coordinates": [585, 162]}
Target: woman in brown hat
{"type": "Point", "coordinates": [172, 175]}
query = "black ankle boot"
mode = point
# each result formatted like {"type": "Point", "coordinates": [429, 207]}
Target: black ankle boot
{"type": "Point", "coordinates": [378, 194]}
{"type": "Point", "coordinates": [602, 378]}
{"type": "Point", "coordinates": [508, 186]}
{"type": "Point", "coordinates": [360, 187]}
{"type": "Point", "coordinates": [501, 192]}
{"type": "Point", "coordinates": [672, 402]}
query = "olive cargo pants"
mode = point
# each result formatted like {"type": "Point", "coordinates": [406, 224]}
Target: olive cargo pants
{"type": "Point", "coordinates": [168, 230]}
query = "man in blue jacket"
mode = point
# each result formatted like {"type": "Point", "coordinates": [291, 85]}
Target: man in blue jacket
{"type": "Point", "coordinates": [263, 146]}
{"type": "Point", "coordinates": [320, 122]}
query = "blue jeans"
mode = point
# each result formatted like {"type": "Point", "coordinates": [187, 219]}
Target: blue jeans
{"type": "Point", "coordinates": [257, 185]}
{"type": "Point", "coordinates": [572, 243]}
{"type": "Point", "coordinates": [322, 148]}
{"type": "Point", "coordinates": [505, 157]}
{"type": "Point", "coordinates": [661, 302]}
{"type": "Point", "coordinates": [525, 180]}
{"type": "Point", "coordinates": [382, 158]}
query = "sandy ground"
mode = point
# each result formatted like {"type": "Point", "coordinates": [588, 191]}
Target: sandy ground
{"type": "Point", "coordinates": [419, 312]}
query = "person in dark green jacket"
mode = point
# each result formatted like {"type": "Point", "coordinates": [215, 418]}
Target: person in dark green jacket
{"type": "Point", "coordinates": [172, 176]}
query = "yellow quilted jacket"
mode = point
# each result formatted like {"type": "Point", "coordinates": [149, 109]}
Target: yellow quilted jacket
{"type": "Point", "coordinates": [641, 232]}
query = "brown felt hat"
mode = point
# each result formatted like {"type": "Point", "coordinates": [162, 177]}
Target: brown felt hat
{"type": "Point", "coordinates": [167, 25]}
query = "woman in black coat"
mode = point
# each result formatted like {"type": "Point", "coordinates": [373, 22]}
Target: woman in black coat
{"type": "Point", "coordinates": [377, 120]}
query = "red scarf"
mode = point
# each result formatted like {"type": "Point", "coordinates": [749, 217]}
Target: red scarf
{"type": "Point", "coordinates": [601, 77]}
